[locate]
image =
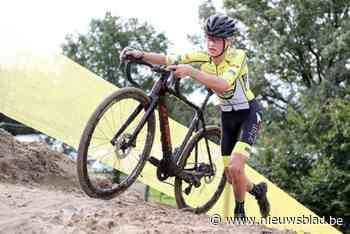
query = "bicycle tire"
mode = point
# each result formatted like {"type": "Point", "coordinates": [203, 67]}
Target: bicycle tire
{"type": "Point", "coordinates": [211, 131]}
{"type": "Point", "coordinates": [82, 162]}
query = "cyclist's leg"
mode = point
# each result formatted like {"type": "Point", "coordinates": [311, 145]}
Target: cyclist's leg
{"type": "Point", "coordinates": [239, 181]}
{"type": "Point", "coordinates": [230, 129]}
{"type": "Point", "coordinates": [239, 156]}
{"type": "Point", "coordinates": [229, 137]}
{"type": "Point", "coordinates": [249, 133]}
{"type": "Point", "coordinates": [228, 141]}
{"type": "Point", "coordinates": [231, 125]}
{"type": "Point", "coordinates": [241, 152]}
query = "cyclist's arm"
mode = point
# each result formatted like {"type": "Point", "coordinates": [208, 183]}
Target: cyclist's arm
{"type": "Point", "coordinates": [160, 59]}
{"type": "Point", "coordinates": [229, 76]}
{"type": "Point", "coordinates": [220, 84]}
{"type": "Point", "coordinates": [154, 58]}
{"type": "Point", "coordinates": [211, 81]}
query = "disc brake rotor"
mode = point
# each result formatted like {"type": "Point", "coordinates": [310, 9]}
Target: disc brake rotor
{"type": "Point", "coordinates": [208, 179]}
{"type": "Point", "coordinates": [122, 153]}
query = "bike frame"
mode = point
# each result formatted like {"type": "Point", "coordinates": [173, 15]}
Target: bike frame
{"type": "Point", "coordinates": [158, 98]}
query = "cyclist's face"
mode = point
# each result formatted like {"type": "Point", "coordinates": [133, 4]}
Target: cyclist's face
{"type": "Point", "coordinates": [215, 45]}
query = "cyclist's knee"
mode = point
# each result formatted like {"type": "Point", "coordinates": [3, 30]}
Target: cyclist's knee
{"type": "Point", "coordinates": [237, 163]}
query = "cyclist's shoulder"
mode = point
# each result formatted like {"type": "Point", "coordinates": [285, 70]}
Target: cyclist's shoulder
{"type": "Point", "coordinates": [234, 54]}
{"type": "Point", "coordinates": [236, 57]}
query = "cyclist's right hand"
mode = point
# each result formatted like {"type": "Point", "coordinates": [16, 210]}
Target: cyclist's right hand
{"type": "Point", "coordinates": [129, 53]}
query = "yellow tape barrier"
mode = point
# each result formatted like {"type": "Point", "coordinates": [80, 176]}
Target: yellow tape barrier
{"type": "Point", "coordinates": [56, 96]}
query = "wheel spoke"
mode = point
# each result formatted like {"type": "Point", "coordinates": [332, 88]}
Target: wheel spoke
{"type": "Point", "coordinates": [100, 138]}
{"type": "Point", "coordinates": [105, 118]}
{"type": "Point", "coordinates": [99, 179]}
{"type": "Point", "coordinates": [205, 196]}
{"type": "Point", "coordinates": [113, 121]}
{"type": "Point", "coordinates": [100, 157]}
{"type": "Point", "coordinates": [95, 146]}
{"type": "Point", "coordinates": [100, 130]}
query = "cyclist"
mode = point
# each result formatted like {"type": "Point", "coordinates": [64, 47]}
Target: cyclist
{"type": "Point", "coordinates": [223, 69]}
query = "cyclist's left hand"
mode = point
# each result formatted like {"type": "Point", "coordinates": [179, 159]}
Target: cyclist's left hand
{"type": "Point", "coordinates": [181, 70]}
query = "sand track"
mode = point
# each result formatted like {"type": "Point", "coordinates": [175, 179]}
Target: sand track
{"type": "Point", "coordinates": [39, 193]}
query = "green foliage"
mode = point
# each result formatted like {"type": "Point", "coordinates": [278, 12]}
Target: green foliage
{"type": "Point", "coordinates": [299, 63]}
{"type": "Point", "coordinates": [206, 9]}
{"type": "Point", "coordinates": [154, 195]}
{"type": "Point", "coordinates": [98, 50]}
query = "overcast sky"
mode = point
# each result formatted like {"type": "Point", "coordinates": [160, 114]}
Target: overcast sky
{"type": "Point", "coordinates": [42, 25]}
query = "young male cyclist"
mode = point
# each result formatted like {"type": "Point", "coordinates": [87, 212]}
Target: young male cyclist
{"type": "Point", "coordinates": [223, 69]}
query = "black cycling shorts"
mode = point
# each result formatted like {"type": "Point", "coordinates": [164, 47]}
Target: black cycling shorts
{"type": "Point", "coordinates": [241, 125]}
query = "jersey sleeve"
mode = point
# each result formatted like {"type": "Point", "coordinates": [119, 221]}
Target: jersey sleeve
{"type": "Point", "coordinates": [192, 57]}
{"type": "Point", "coordinates": [237, 67]}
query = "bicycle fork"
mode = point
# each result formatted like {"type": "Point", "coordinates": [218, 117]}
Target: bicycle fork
{"type": "Point", "coordinates": [132, 138]}
{"type": "Point", "coordinates": [150, 109]}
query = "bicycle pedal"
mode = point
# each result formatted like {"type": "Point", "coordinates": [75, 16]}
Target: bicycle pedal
{"type": "Point", "coordinates": [154, 161]}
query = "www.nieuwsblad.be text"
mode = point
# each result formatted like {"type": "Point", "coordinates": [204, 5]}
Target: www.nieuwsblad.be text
{"type": "Point", "coordinates": [304, 219]}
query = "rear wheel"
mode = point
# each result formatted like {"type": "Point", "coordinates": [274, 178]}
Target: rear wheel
{"type": "Point", "coordinates": [105, 169]}
{"type": "Point", "coordinates": [200, 197]}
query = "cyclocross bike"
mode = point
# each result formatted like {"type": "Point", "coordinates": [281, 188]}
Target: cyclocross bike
{"type": "Point", "coordinates": [119, 136]}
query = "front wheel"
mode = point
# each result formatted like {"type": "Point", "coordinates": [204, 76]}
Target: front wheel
{"type": "Point", "coordinates": [197, 161]}
{"type": "Point", "coordinates": [105, 167]}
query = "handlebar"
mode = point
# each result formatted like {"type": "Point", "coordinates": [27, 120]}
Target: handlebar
{"type": "Point", "coordinates": [128, 70]}
{"type": "Point", "coordinates": [172, 81]}
{"type": "Point", "coordinates": [161, 69]}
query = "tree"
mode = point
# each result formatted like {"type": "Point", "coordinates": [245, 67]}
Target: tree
{"type": "Point", "coordinates": [299, 61]}
{"type": "Point", "coordinates": [98, 50]}
{"type": "Point", "coordinates": [293, 45]}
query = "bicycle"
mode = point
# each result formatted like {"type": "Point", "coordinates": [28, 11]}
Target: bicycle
{"type": "Point", "coordinates": [191, 163]}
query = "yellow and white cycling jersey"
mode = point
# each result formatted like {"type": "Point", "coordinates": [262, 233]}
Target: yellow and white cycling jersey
{"type": "Point", "coordinates": [233, 69]}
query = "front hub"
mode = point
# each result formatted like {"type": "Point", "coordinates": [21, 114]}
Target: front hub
{"type": "Point", "coordinates": [122, 146]}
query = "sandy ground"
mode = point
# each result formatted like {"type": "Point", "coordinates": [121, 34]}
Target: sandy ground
{"type": "Point", "coordinates": [39, 193]}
